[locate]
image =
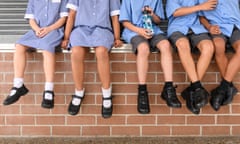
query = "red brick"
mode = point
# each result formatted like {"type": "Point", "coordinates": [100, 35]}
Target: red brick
{"type": "Point", "coordinates": [114, 120]}
{"type": "Point", "coordinates": [81, 120]}
{"type": "Point", "coordinates": [20, 120]}
{"type": "Point", "coordinates": [10, 130]}
{"type": "Point", "coordinates": [141, 120]}
{"type": "Point", "coordinates": [236, 130]}
{"type": "Point", "coordinates": [170, 120]}
{"type": "Point", "coordinates": [186, 130]}
{"type": "Point", "coordinates": [66, 130]}
{"type": "Point", "coordinates": [50, 120]}
{"type": "Point", "coordinates": [215, 130]}
{"type": "Point", "coordinates": [200, 120]}
{"type": "Point", "coordinates": [36, 131]}
{"type": "Point", "coordinates": [228, 119]}
{"type": "Point", "coordinates": [125, 131]}
{"type": "Point", "coordinates": [95, 130]}
{"type": "Point", "coordinates": [156, 130]}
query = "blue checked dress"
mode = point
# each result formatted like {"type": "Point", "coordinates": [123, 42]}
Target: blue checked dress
{"type": "Point", "coordinates": [45, 13]}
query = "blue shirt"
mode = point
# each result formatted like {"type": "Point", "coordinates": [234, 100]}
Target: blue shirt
{"type": "Point", "coordinates": [183, 23]}
{"type": "Point", "coordinates": [131, 10]}
{"type": "Point", "coordinates": [46, 12]}
{"type": "Point", "coordinates": [94, 13]}
{"type": "Point", "coordinates": [226, 15]}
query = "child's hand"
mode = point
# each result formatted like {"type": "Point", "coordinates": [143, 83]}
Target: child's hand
{"type": "Point", "coordinates": [214, 29]}
{"type": "Point", "coordinates": [64, 43]}
{"type": "Point", "coordinates": [148, 9]}
{"type": "Point", "coordinates": [118, 43]}
{"type": "Point", "coordinates": [43, 32]}
{"type": "Point", "coordinates": [145, 33]}
{"type": "Point", "coordinates": [209, 5]}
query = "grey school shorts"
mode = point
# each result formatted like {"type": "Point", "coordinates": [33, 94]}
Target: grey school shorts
{"type": "Point", "coordinates": [234, 37]}
{"type": "Point", "coordinates": [193, 38]}
{"type": "Point", "coordinates": [136, 40]}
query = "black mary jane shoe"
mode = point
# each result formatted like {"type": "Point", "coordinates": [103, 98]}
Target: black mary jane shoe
{"type": "Point", "coordinates": [74, 109]}
{"type": "Point", "coordinates": [48, 103]}
{"type": "Point", "coordinates": [107, 112]}
{"type": "Point", "coordinates": [169, 95]}
{"type": "Point", "coordinates": [14, 98]}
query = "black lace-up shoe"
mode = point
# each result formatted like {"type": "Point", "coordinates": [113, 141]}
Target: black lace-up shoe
{"type": "Point", "coordinates": [143, 102]}
{"type": "Point", "coordinates": [169, 95]}
{"type": "Point", "coordinates": [201, 97]}
{"type": "Point", "coordinates": [46, 103]}
{"type": "Point", "coordinates": [217, 98]}
{"type": "Point", "coordinates": [187, 95]}
{"type": "Point", "coordinates": [15, 97]}
{"type": "Point", "coordinates": [231, 92]}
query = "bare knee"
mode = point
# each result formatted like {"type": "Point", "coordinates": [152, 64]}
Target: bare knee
{"type": "Point", "coordinates": [143, 50]}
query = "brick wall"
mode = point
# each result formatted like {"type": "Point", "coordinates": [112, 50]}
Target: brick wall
{"type": "Point", "coordinates": [27, 118]}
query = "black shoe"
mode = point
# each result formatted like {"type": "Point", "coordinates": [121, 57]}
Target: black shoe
{"type": "Point", "coordinates": [74, 109]}
{"type": "Point", "coordinates": [107, 112]}
{"type": "Point", "coordinates": [201, 97]}
{"type": "Point", "coordinates": [217, 98]}
{"type": "Point", "coordinates": [143, 102]}
{"type": "Point", "coordinates": [19, 92]}
{"type": "Point", "coordinates": [169, 95]}
{"type": "Point", "coordinates": [187, 95]}
{"type": "Point", "coordinates": [231, 92]}
{"type": "Point", "coordinates": [48, 103]}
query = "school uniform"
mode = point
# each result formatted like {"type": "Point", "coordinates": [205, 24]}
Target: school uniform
{"type": "Point", "coordinates": [226, 15]}
{"type": "Point", "coordinates": [131, 10]}
{"type": "Point", "coordinates": [45, 13]}
{"type": "Point", "coordinates": [183, 23]}
{"type": "Point", "coordinates": [92, 27]}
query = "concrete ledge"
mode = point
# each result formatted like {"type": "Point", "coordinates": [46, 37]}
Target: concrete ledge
{"type": "Point", "coordinates": [9, 47]}
{"type": "Point", "coordinates": [122, 140]}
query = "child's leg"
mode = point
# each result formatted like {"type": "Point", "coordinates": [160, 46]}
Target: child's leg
{"type": "Point", "coordinates": [206, 49]}
{"type": "Point", "coordinates": [169, 92]}
{"type": "Point", "coordinates": [103, 66]}
{"type": "Point", "coordinates": [18, 89]}
{"type": "Point", "coordinates": [184, 52]}
{"type": "Point", "coordinates": [49, 70]}
{"type": "Point", "coordinates": [233, 65]}
{"type": "Point", "coordinates": [220, 56]}
{"type": "Point", "coordinates": [166, 59]}
{"type": "Point", "coordinates": [19, 61]}
{"type": "Point", "coordinates": [142, 62]}
{"type": "Point", "coordinates": [77, 61]}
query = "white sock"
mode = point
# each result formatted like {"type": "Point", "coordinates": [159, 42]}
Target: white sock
{"type": "Point", "coordinates": [107, 94]}
{"type": "Point", "coordinates": [77, 101]}
{"type": "Point", "coordinates": [49, 87]}
{"type": "Point", "coordinates": [17, 82]}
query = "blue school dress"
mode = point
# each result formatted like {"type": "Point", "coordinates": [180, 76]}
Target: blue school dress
{"type": "Point", "coordinates": [131, 10]}
{"type": "Point", "coordinates": [92, 27]}
{"type": "Point", "coordinates": [183, 23]}
{"type": "Point", "coordinates": [45, 13]}
{"type": "Point", "coordinates": [226, 15]}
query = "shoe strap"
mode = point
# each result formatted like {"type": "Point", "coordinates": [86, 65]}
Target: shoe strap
{"type": "Point", "coordinates": [108, 98]}
{"type": "Point", "coordinates": [78, 97]}
{"type": "Point", "coordinates": [14, 88]}
{"type": "Point", "coordinates": [50, 92]}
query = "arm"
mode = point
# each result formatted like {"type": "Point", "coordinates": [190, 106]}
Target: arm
{"type": "Point", "coordinates": [155, 18]}
{"type": "Point", "coordinates": [208, 5]}
{"type": "Point", "coordinates": [33, 24]}
{"type": "Point", "coordinates": [141, 31]}
{"type": "Point", "coordinates": [45, 30]}
{"type": "Point", "coordinates": [213, 29]}
{"type": "Point", "coordinates": [116, 31]}
{"type": "Point", "coordinates": [68, 28]}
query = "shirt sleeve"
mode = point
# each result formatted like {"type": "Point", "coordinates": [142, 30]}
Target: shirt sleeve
{"type": "Point", "coordinates": [114, 7]}
{"type": "Point", "coordinates": [172, 6]}
{"type": "Point", "coordinates": [30, 10]}
{"type": "Point", "coordinates": [64, 9]}
{"type": "Point", "coordinates": [159, 9]}
{"type": "Point", "coordinates": [73, 4]}
{"type": "Point", "coordinates": [125, 11]}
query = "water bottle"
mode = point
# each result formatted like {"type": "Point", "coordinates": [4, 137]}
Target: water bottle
{"type": "Point", "coordinates": [147, 20]}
